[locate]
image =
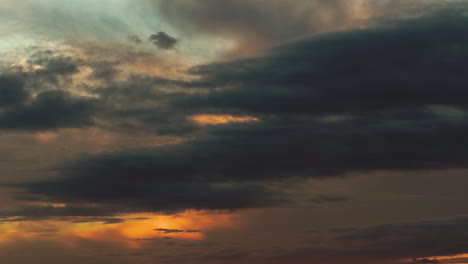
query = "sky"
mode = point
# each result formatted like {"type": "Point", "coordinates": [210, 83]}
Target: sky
{"type": "Point", "coordinates": [233, 131]}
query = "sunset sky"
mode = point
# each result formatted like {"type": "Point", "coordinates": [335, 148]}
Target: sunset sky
{"type": "Point", "coordinates": [233, 131]}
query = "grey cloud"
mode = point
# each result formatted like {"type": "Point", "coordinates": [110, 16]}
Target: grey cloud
{"type": "Point", "coordinates": [163, 41]}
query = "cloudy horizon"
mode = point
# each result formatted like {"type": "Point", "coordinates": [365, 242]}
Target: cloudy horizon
{"type": "Point", "coordinates": [234, 131]}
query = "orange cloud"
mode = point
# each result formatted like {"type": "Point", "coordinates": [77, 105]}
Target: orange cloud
{"type": "Point", "coordinates": [221, 119]}
{"type": "Point", "coordinates": [455, 259]}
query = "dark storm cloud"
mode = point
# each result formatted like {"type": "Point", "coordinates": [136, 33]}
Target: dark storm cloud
{"type": "Point", "coordinates": [163, 41]}
{"type": "Point", "coordinates": [391, 97]}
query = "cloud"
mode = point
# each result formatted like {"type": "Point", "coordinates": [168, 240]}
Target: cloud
{"type": "Point", "coordinates": [391, 97]}
{"type": "Point", "coordinates": [143, 194]}
{"type": "Point", "coordinates": [350, 72]}
{"type": "Point", "coordinates": [12, 91]}
{"type": "Point", "coordinates": [50, 66]}
{"type": "Point", "coordinates": [49, 110]}
{"type": "Point", "coordinates": [163, 41]}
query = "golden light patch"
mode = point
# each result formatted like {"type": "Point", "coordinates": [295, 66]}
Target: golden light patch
{"type": "Point", "coordinates": [221, 119]}
{"type": "Point", "coordinates": [132, 232]}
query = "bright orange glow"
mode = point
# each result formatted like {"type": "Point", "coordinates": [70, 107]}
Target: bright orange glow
{"type": "Point", "coordinates": [133, 232]}
{"type": "Point", "coordinates": [455, 259]}
{"type": "Point", "coordinates": [221, 119]}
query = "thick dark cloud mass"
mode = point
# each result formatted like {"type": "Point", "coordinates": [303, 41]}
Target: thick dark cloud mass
{"type": "Point", "coordinates": [12, 91]}
{"type": "Point", "coordinates": [163, 41]}
{"type": "Point", "coordinates": [390, 97]}
{"type": "Point", "coordinates": [26, 104]}
{"type": "Point", "coordinates": [162, 194]}
{"type": "Point", "coordinates": [49, 110]}
{"type": "Point", "coordinates": [402, 67]}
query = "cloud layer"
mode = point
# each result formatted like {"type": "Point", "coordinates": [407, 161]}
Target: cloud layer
{"type": "Point", "coordinates": [389, 97]}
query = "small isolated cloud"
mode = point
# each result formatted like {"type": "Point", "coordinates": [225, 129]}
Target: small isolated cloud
{"type": "Point", "coordinates": [163, 41]}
